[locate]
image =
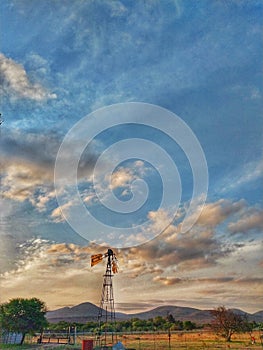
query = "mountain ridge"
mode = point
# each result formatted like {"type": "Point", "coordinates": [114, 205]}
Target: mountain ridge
{"type": "Point", "coordinates": [87, 311]}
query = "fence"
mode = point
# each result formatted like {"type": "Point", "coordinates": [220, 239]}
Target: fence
{"type": "Point", "coordinates": [10, 338]}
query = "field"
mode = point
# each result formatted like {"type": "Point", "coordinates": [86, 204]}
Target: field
{"type": "Point", "coordinates": [189, 341]}
{"type": "Point", "coordinates": [147, 341]}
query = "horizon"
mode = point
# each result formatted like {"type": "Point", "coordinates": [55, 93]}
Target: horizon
{"type": "Point", "coordinates": [135, 125]}
{"type": "Point", "coordinates": [148, 308]}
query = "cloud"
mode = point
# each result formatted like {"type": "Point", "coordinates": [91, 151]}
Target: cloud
{"type": "Point", "coordinates": [214, 213]}
{"type": "Point", "coordinates": [193, 250]}
{"type": "Point", "coordinates": [30, 147]}
{"type": "Point", "coordinates": [69, 280]}
{"type": "Point", "coordinates": [167, 281]}
{"type": "Point", "coordinates": [200, 248]}
{"type": "Point", "coordinates": [121, 178]}
{"type": "Point", "coordinates": [247, 223]}
{"type": "Point", "coordinates": [53, 272]}
{"type": "Point", "coordinates": [27, 166]}
{"type": "Point", "coordinates": [171, 280]}
{"type": "Point", "coordinates": [57, 212]}
{"type": "Point", "coordinates": [16, 84]}
{"type": "Point", "coordinates": [250, 280]}
{"type": "Point", "coordinates": [8, 251]}
{"type": "Point", "coordinates": [21, 181]}
{"type": "Point", "coordinates": [251, 171]}
{"type": "Point", "coordinates": [133, 307]}
{"type": "Point", "coordinates": [197, 248]}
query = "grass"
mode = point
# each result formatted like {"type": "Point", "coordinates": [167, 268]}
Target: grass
{"type": "Point", "coordinates": [39, 347]}
{"type": "Point", "coordinates": [189, 341]}
{"type": "Point", "coordinates": [147, 341]}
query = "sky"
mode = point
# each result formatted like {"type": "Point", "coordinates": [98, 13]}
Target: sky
{"type": "Point", "coordinates": [135, 125]}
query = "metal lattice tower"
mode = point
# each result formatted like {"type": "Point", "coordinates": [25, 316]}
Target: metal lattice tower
{"type": "Point", "coordinates": [106, 334]}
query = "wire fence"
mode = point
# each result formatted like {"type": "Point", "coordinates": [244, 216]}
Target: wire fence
{"type": "Point", "coordinates": [189, 340]}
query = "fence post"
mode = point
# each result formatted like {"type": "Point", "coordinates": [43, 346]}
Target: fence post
{"type": "Point", "coordinates": [75, 334]}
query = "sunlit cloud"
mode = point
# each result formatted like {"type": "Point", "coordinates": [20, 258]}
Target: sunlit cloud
{"type": "Point", "coordinates": [167, 281]}
{"type": "Point", "coordinates": [121, 178]}
{"type": "Point", "coordinates": [214, 213]}
{"type": "Point", "coordinates": [250, 221]}
{"type": "Point", "coordinates": [68, 266]}
{"type": "Point", "coordinates": [16, 84]}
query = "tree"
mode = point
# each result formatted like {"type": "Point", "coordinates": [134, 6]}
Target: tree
{"type": "Point", "coordinates": [226, 322]}
{"type": "Point", "coordinates": [23, 316]}
{"type": "Point", "coordinates": [170, 318]}
{"type": "Point", "coordinates": [178, 325]}
{"type": "Point", "coordinates": [189, 325]}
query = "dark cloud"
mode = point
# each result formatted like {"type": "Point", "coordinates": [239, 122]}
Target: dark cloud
{"type": "Point", "coordinates": [31, 147]}
{"type": "Point", "coordinates": [250, 281]}
{"type": "Point", "coordinates": [126, 307]}
{"type": "Point", "coordinates": [28, 160]}
{"type": "Point", "coordinates": [8, 252]}
{"type": "Point", "coordinates": [193, 248]}
{"type": "Point", "coordinates": [216, 279]}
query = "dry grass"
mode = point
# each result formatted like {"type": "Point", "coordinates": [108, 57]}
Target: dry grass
{"type": "Point", "coordinates": [187, 340]}
{"type": "Point", "coordinates": [148, 341]}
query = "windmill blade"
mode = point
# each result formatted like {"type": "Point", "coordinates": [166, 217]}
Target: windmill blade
{"type": "Point", "coordinates": [96, 258]}
{"type": "Point", "coordinates": [114, 266]}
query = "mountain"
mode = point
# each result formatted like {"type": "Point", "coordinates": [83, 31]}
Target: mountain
{"type": "Point", "coordinates": [80, 313]}
{"type": "Point", "coordinates": [178, 312]}
{"type": "Point", "coordinates": [89, 312]}
{"type": "Point", "coordinates": [257, 316]}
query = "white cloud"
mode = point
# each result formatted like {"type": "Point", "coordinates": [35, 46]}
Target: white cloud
{"type": "Point", "coordinates": [57, 213]}
{"type": "Point", "coordinates": [250, 172]}
{"type": "Point", "coordinates": [122, 178]}
{"type": "Point", "coordinates": [16, 83]}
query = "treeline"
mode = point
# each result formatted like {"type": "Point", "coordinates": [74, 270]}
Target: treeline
{"type": "Point", "coordinates": [157, 323]}
{"type": "Point", "coordinates": [225, 323]}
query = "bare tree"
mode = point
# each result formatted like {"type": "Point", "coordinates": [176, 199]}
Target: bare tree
{"type": "Point", "coordinates": [225, 322]}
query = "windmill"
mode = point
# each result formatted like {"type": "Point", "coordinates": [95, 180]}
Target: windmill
{"type": "Point", "coordinates": [106, 314]}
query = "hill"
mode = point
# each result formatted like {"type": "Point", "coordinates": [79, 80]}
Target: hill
{"type": "Point", "coordinates": [89, 312]}
{"type": "Point", "coordinates": [257, 316]}
{"type": "Point", "coordinates": [80, 313]}
{"type": "Point", "coordinates": [178, 312]}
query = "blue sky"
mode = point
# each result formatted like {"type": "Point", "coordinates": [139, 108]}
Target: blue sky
{"type": "Point", "coordinates": [63, 60]}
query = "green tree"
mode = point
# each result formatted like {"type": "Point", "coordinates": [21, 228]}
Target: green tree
{"type": "Point", "coordinates": [159, 322]}
{"type": "Point", "coordinates": [178, 325]}
{"type": "Point", "coordinates": [23, 316]}
{"type": "Point", "coordinates": [226, 322]}
{"type": "Point", "coordinates": [189, 325]}
{"type": "Point", "coordinates": [170, 318]}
